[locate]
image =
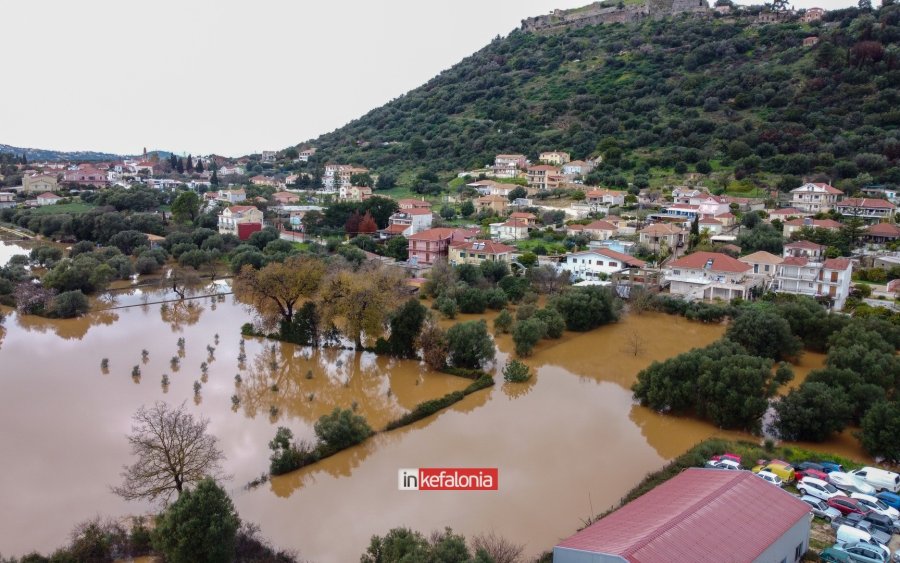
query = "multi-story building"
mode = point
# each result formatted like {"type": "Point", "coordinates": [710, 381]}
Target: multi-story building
{"type": "Point", "coordinates": [267, 156]}
{"type": "Point", "coordinates": [605, 197]}
{"type": "Point", "coordinates": [494, 203]}
{"type": "Point", "coordinates": [794, 225]}
{"type": "Point", "coordinates": [812, 14]}
{"type": "Point", "coordinates": [508, 165]}
{"type": "Point", "coordinates": [512, 229]}
{"type": "Point", "coordinates": [826, 279]}
{"type": "Point", "coordinates": [354, 193]}
{"type": "Point", "coordinates": [804, 249]}
{"type": "Point", "coordinates": [240, 220]}
{"type": "Point", "coordinates": [232, 196]}
{"type": "Point", "coordinates": [597, 264]}
{"type": "Point", "coordinates": [413, 204]}
{"type": "Point", "coordinates": [409, 222]}
{"type": "Point", "coordinates": [815, 198]}
{"type": "Point", "coordinates": [478, 251]}
{"type": "Point", "coordinates": [7, 199]}
{"type": "Point", "coordinates": [87, 176]}
{"type": "Point", "coordinates": [578, 168]}
{"type": "Point", "coordinates": [305, 154]}
{"type": "Point", "coordinates": [658, 235]}
{"type": "Point", "coordinates": [763, 264]}
{"type": "Point", "coordinates": [557, 158]}
{"type": "Point", "coordinates": [39, 183]}
{"type": "Point", "coordinates": [428, 246]}
{"type": "Point", "coordinates": [710, 275]}
{"type": "Point", "coordinates": [544, 177]}
{"type": "Point", "coordinates": [339, 176]}
{"type": "Point", "coordinates": [867, 209]}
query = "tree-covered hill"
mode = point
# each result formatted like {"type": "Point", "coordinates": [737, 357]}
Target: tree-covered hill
{"type": "Point", "coordinates": [657, 99]}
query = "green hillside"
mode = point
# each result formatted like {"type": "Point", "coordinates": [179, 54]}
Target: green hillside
{"type": "Point", "coordinates": [658, 99]}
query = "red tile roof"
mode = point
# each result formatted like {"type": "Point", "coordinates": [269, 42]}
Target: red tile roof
{"type": "Point", "coordinates": [662, 229]}
{"type": "Point", "coordinates": [546, 167]}
{"type": "Point", "coordinates": [884, 230]}
{"type": "Point", "coordinates": [241, 208]}
{"type": "Point", "coordinates": [448, 233]}
{"type": "Point", "coordinates": [825, 187]}
{"type": "Point", "coordinates": [805, 244]}
{"type": "Point", "coordinates": [600, 226]}
{"type": "Point", "coordinates": [725, 215]}
{"type": "Point", "coordinates": [836, 264]}
{"type": "Point", "coordinates": [814, 223]}
{"type": "Point", "coordinates": [795, 261]}
{"type": "Point", "coordinates": [48, 195]}
{"type": "Point", "coordinates": [417, 211]}
{"type": "Point", "coordinates": [709, 221]}
{"type": "Point", "coordinates": [395, 229]}
{"type": "Point", "coordinates": [414, 202]}
{"type": "Point", "coordinates": [486, 246]}
{"type": "Point", "coordinates": [866, 203]}
{"type": "Point", "coordinates": [695, 517]}
{"type": "Point", "coordinates": [720, 262]}
{"type": "Point", "coordinates": [522, 215]}
{"type": "Point", "coordinates": [787, 211]}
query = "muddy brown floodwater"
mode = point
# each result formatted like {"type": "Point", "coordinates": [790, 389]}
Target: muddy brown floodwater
{"type": "Point", "coordinates": [568, 444]}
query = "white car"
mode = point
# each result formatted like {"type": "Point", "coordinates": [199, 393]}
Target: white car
{"type": "Point", "coordinates": [770, 477]}
{"type": "Point", "coordinates": [876, 505]}
{"type": "Point", "coordinates": [818, 488]}
{"type": "Point", "coordinates": [724, 464]}
{"type": "Point", "coordinates": [851, 483]}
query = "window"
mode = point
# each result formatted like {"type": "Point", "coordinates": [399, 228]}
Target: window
{"type": "Point", "coordinates": [798, 552]}
{"type": "Point", "coordinates": [613, 264]}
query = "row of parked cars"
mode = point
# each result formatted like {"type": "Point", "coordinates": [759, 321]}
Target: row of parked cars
{"type": "Point", "coordinates": [863, 506]}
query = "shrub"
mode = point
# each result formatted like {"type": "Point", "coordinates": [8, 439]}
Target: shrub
{"type": "Point", "coordinates": [503, 322]}
{"type": "Point", "coordinates": [554, 321]}
{"type": "Point", "coordinates": [447, 306]}
{"type": "Point", "coordinates": [469, 344]}
{"type": "Point", "coordinates": [69, 304]}
{"type": "Point", "coordinates": [526, 334]}
{"type": "Point", "coordinates": [472, 301]}
{"type": "Point", "coordinates": [584, 308]}
{"type": "Point", "coordinates": [516, 372]}
{"type": "Point", "coordinates": [341, 429]}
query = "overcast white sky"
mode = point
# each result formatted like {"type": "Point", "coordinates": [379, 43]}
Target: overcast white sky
{"type": "Point", "coordinates": [227, 76]}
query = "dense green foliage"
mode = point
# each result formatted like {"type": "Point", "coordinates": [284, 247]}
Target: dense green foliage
{"type": "Point", "coordinates": [655, 96]}
{"type": "Point", "coordinates": [813, 412]}
{"type": "Point", "coordinates": [469, 344]}
{"type": "Point", "coordinates": [722, 383]}
{"type": "Point", "coordinates": [881, 431]}
{"type": "Point", "coordinates": [584, 308]}
{"type": "Point", "coordinates": [341, 429]}
{"type": "Point", "coordinates": [201, 526]}
{"type": "Point", "coordinates": [406, 324]}
{"type": "Point", "coordinates": [516, 372]}
{"type": "Point", "coordinates": [763, 332]}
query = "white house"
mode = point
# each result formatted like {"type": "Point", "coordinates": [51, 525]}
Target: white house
{"type": "Point", "coordinates": [826, 279]}
{"type": "Point", "coordinates": [714, 226]}
{"type": "Point", "coordinates": [577, 168]}
{"type": "Point", "coordinates": [762, 263]}
{"type": "Point", "coordinates": [867, 209]}
{"type": "Point", "coordinates": [605, 197]}
{"type": "Point", "coordinates": [231, 217]}
{"type": "Point", "coordinates": [48, 199]}
{"type": "Point", "coordinates": [412, 220]}
{"type": "Point", "coordinates": [232, 196]}
{"type": "Point", "coordinates": [710, 275]}
{"type": "Point", "coordinates": [815, 198]}
{"type": "Point", "coordinates": [794, 225]}
{"type": "Point", "coordinates": [510, 230]}
{"type": "Point", "coordinates": [231, 170]}
{"type": "Point", "coordinates": [597, 264]}
{"type": "Point", "coordinates": [710, 204]}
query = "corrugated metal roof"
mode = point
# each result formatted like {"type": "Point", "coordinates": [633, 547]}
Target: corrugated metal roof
{"type": "Point", "coordinates": [701, 515]}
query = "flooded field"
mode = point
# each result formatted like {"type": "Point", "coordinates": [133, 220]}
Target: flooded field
{"type": "Point", "coordinates": [568, 444]}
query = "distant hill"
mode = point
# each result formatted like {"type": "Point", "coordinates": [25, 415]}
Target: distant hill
{"type": "Point", "coordinates": [44, 154]}
{"type": "Point", "coordinates": [658, 98]}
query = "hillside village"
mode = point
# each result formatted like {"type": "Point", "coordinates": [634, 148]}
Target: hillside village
{"type": "Point", "coordinates": [814, 240]}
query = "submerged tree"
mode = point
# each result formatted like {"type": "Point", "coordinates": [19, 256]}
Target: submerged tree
{"type": "Point", "coordinates": [275, 290]}
{"type": "Point", "coordinates": [173, 450]}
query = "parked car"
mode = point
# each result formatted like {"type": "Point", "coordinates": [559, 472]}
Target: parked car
{"type": "Point", "coordinates": [848, 534]}
{"type": "Point", "coordinates": [733, 457]}
{"type": "Point", "coordinates": [859, 522]}
{"type": "Point", "coordinates": [724, 464]}
{"type": "Point", "coordinates": [890, 499]}
{"type": "Point", "coordinates": [850, 483]}
{"type": "Point", "coordinates": [829, 466]}
{"type": "Point", "coordinates": [800, 474]}
{"type": "Point", "coordinates": [784, 471]}
{"type": "Point", "coordinates": [855, 552]}
{"type": "Point", "coordinates": [770, 477]}
{"type": "Point", "coordinates": [846, 505]}
{"type": "Point", "coordinates": [877, 505]}
{"type": "Point", "coordinates": [880, 479]}
{"type": "Point", "coordinates": [881, 523]}
{"type": "Point", "coordinates": [818, 488]}
{"type": "Point", "coordinates": [820, 508]}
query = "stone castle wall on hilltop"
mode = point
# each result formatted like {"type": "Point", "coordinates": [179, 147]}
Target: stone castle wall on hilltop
{"type": "Point", "coordinates": [597, 13]}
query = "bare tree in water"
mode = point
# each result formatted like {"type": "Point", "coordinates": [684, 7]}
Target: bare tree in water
{"type": "Point", "coordinates": [635, 344]}
{"type": "Point", "coordinates": [173, 450]}
{"type": "Point", "coordinates": [180, 280]}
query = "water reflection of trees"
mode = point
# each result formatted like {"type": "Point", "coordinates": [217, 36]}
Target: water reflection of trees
{"type": "Point", "coordinates": [70, 329]}
{"type": "Point", "coordinates": [341, 464]}
{"type": "Point", "coordinates": [306, 383]}
{"type": "Point", "coordinates": [179, 314]}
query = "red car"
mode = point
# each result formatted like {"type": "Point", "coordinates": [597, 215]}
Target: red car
{"type": "Point", "coordinates": [733, 457]}
{"type": "Point", "coordinates": [847, 505]}
{"type": "Point", "coordinates": [801, 473]}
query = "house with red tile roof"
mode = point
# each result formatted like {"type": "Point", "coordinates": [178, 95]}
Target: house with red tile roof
{"type": "Point", "coordinates": [408, 222]}
{"type": "Point", "coordinates": [605, 197]}
{"type": "Point", "coordinates": [478, 251]}
{"type": "Point", "coordinates": [804, 249]}
{"type": "Point", "coordinates": [815, 198]}
{"type": "Point", "coordinates": [597, 263]}
{"type": "Point", "coordinates": [787, 213]}
{"type": "Point", "coordinates": [882, 232]}
{"type": "Point", "coordinates": [428, 246]}
{"type": "Point", "coordinates": [762, 263]}
{"type": "Point", "coordinates": [413, 204]}
{"type": "Point", "coordinates": [544, 177]}
{"type": "Point", "coordinates": [827, 279]}
{"type": "Point", "coordinates": [658, 235]}
{"type": "Point", "coordinates": [699, 516]}
{"type": "Point", "coordinates": [48, 199]}
{"type": "Point", "coordinates": [240, 220]}
{"type": "Point", "coordinates": [285, 198]}
{"type": "Point", "coordinates": [710, 275]}
{"type": "Point", "coordinates": [600, 230]}
{"type": "Point", "coordinates": [714, 226]}
{"type": "Point", "coordinates": [794, 225]}
{"type": "Point", "coordinates": [495, 203]}
{"type": "Point", "coordinates": [868, 209]}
